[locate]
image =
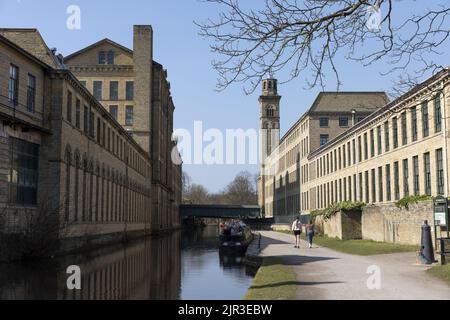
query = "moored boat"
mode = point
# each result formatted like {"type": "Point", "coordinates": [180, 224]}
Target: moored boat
{"type": "Point", "coordinates": [235, 235]}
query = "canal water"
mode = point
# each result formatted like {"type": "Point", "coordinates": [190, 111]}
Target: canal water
{"type": "Point", "coordinates": [185, 265]}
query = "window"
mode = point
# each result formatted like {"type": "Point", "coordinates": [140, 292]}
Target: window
{"type": "Point", "coordinates": [354, 152]}
{"type": "Point", "coordinates": [13, 87]}
{"type": "Point", "coordinates": [414, 124]}
{"type": "Point", "coordinates": [427, 169]}
{"type": "Point", "coordinates": [372, 143]}
{"type": "Point", "coordinates": [366, 147]}
{"type": "Point", "coordinates": [355, 192]}
{"type": "Point", "coordinates": [380, 184]}
{"type": "Point", "coordinates": [416, 176]}
{"type": "Point", "coordinates": [98, 88]}
{"type": "Point", "coordinates": [114, 90]}
{"type": "Point", "coordinates": [359, 150]}
{"type": "Point", "coordinates": [69, 106]}
{"type": "Point", "coordinates": [85, 120]}
{"type": "Point", "coordinates": [425, 120]}
{"type": "Point", "coordinates": [78, 114]}
{"type": "Point", "coordinates": [99, 126]}
{"type": "Point", "coordinates": [349, 154]}
{"type": "Point", "coordinates": [397, 181]}
{"type": "Point", "coordinates": [405, 178]}
{"type": "Point", "coordinates": [343, 122]}
{"type": "Point", "coordinates": [23, 175]}
{"type": "Point", "coordinates": [404, 129]}
{"type": "Point", "coordinates": [340, 158]}
{"type": "Point", "coordinates": [367, 187]}
{"type": "Point", "coordinates": [344, 160]}
{"type": "Point", "coordinates": [387, 138]}
{"type": "Point", "coordinates": [129, 90]}
{"type": "Point", "coordinates": [270, 112]}
{"type": "Point", "coordinates": [437, 114]}
{"type": "Point", "coordinates": [388, 183]}
{"type": "Point", "coordinates": [324, 139]}
{"type": "Point", "coordinates": [440, 172]}
{"type": "Point", "coordinates": [91, 124]}
{"type": "Point", "coordinates": [395, 132]}
{"type": "Point", "coordinates": [129, 115]}
{"type": "Point", "coordinates": [379, 143]}
{"type": "Point", "coordinates": [113, 110]}
{"type": "Point", "coordinates": [102, 57]}
{"type": "Point", "coordinates": [31, 94]}
{"type": "Point", "coordinates": [374, 187]}
{"type": "Point", "coordinates": [111, 56]}
{"type": "Point", "coordinates": [360, 187]}
{"type": "Point", "coordinates": [324, 122]}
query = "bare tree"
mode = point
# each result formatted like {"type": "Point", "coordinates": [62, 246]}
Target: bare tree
{"type": "Point", "coordinates": [306, 38]}
{"type": "Point", "coordinates": [242, 190]}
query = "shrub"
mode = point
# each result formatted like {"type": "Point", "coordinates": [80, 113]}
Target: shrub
{"type": "Point", "coordinates": [406, 202]}
{"type": "Point", "coordinates": [329, 212]}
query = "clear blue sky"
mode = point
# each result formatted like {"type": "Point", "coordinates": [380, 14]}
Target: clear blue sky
{"type": "Point", "coordinates": [187, 58]}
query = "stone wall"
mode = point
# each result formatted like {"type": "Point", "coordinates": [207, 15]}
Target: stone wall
{"type": "Point", "coordinates": [388, 223]}
{"type": "Point", "coordinates": [343, 225]}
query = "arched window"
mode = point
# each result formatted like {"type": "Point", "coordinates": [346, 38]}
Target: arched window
{"type": "Point", "coordinates": [270, 111]}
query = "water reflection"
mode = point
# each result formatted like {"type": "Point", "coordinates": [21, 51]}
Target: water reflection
{"type": "Point", "coordinates": [209, 273]}
{"type": "Point", "coordinates": [145, 270]}
{"type": "Point", "coordinates": [186, 265]}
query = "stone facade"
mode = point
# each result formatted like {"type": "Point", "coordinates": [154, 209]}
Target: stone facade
{"type": "Point", "coordinates": [153, 108]}
{"type": "Point", "coordinates": [286, 171]}
{"type": "Point", "coordinates": [387, 223]}
{"type": "Point", "coordinates": [344, 225]}
{"type": "Point", "coordinates": [65, 156]}
{"type": "Point", "coordinates": [398, 150]}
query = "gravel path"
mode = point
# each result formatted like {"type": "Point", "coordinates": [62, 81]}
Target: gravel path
{"type": "Point", "coordinates": [329, 275]}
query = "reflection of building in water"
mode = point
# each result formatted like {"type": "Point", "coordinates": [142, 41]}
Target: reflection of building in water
{"type": "Point", "coordinates": [148, 270]}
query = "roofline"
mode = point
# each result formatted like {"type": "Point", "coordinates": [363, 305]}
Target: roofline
{"type": "Point", "coordinates": [35, 30]}
{"type": "Point", "coordinates": [24, 52]}
{"type": "Point", "coordinates": [316, 101]}
{"type": "Point", "coordinates": [128, 50]}
{"type": "Point", "coordinates": [381, 111]}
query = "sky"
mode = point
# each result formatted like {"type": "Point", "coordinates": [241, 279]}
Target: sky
{"type": "Point", "coordinates": [187, 58]}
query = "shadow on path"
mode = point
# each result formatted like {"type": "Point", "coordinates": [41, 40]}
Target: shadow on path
{"type": "Point", "coordinates": [294, 260]}
{"type": "Point", "coordinates": [293, 283]}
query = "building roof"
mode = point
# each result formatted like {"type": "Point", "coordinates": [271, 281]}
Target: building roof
{"type": "Point", "coordinates": [96, 44]}
{"type": "Point", "coordinates": [344, 101]}
{"type": "Point", "coordinates": [31, 41]}
{"type": "Point", "coordinates": [380, 112]}
{"type": "Point", "coordinates": [347, 101]}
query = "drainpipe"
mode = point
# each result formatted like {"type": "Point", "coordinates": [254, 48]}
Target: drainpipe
{"type": "Point", "coordinates": [445, 139]}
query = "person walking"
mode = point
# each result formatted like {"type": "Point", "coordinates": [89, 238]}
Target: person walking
{"type": "Point", "coordinates": [297, 229]}
{"type": "Point", "coordinates": [310, 233]}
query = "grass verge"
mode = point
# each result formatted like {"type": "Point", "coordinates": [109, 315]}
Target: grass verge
{"type": "Point", "coordinates": [361, 247]}
{"type": "Point", "coordinates": [441, 272]}
{"type": "Point", "coordinates": [274, 281]}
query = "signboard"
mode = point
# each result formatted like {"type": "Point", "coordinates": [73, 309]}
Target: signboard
{"type": "Point", "coordinates": [441, 211]}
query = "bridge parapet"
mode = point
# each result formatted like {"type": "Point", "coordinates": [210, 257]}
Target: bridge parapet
{"type": "Point", "coordinates": [219, 211]}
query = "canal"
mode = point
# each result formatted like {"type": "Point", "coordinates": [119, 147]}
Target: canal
{"type": "Point", "coordinates": [186, 265]}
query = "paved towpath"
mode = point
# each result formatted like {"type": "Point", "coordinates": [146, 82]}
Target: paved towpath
{"type": "Point", "coordinates": [326, 274]}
